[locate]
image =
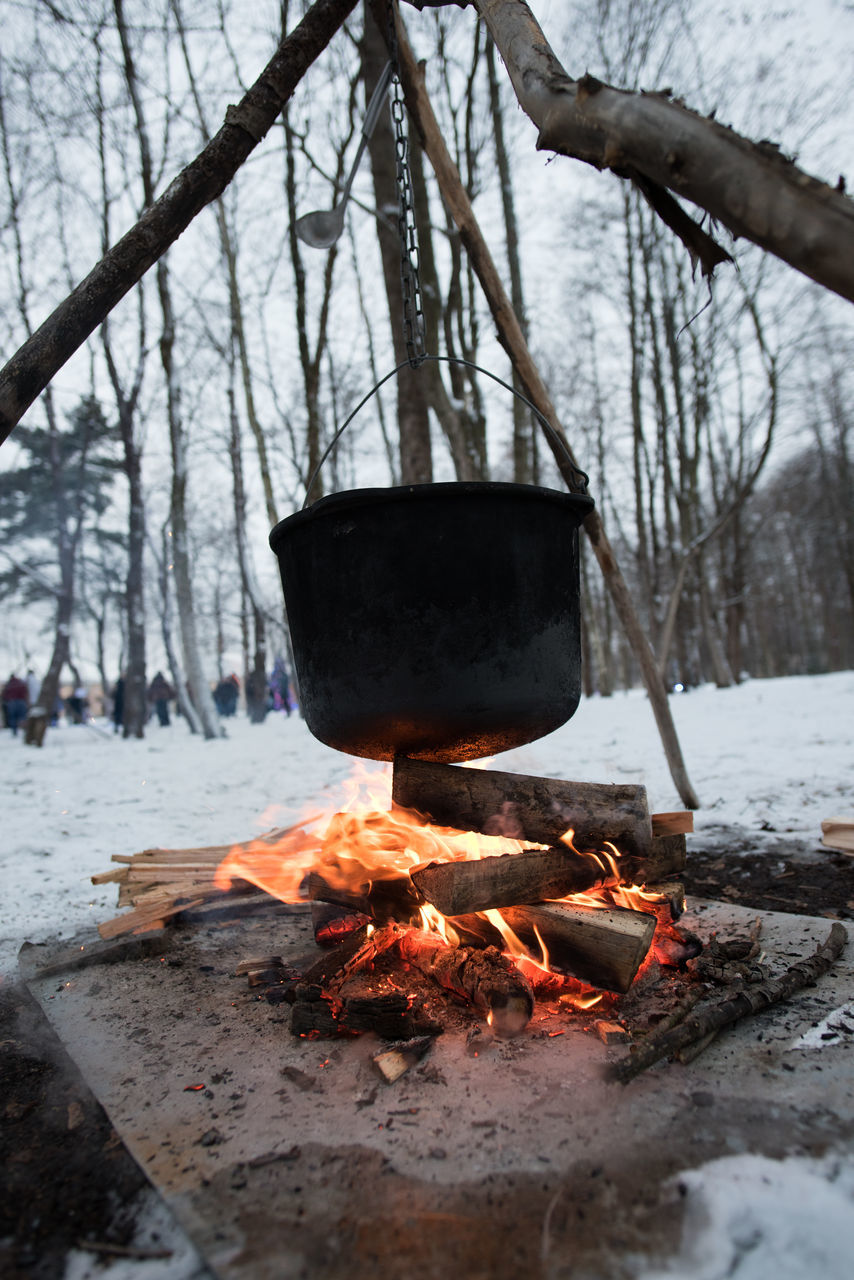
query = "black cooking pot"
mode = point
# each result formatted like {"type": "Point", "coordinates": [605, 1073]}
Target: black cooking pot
{"type": "Point", "coordinates": [438, 620]}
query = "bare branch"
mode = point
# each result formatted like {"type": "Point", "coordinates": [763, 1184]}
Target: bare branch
{"type": "Point", "coordinates": [751, 188]}
{"type": "Point", "coordinates": [32, 367]}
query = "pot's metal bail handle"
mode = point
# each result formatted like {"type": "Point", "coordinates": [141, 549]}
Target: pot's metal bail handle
{"type": "Point", "coordinates": [581, 478]}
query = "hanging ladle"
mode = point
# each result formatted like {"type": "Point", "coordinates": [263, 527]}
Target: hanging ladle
{"type": "Point", "coordinates": [322, 228]}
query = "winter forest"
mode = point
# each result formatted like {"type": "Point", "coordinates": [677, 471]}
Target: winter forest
{"type": "Point", "coordinates": [713, 415]}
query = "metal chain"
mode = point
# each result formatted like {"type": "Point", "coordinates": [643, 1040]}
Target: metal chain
{"type": "Point", "coordinates": [413, 313]}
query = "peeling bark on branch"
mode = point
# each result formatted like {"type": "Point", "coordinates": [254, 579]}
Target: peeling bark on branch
{"type": "Point", "coordinates": [751, 188]}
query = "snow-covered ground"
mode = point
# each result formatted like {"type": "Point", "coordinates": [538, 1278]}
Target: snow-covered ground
{"type": "Point", "coordinates": [769, 754]}
{"type": "Point", "coordinates": [774, 755]}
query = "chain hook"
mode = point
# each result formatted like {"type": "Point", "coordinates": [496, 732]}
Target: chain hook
{"type": "Point", "coordinates": [413, 311]}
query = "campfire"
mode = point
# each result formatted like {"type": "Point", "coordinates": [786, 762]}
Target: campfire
{"type": "Point", "coordinates": [498, 888]}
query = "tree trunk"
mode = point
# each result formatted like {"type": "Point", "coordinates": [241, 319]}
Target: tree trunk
{"type": "Point", "coordinates": [720, 666]}
{"type": "Point", "coordinates": [134, 706]}
{"type": "Point", "coordinates": [164, 566]}
{"type": "Point", "coordinates": [524, 435]}
{"type": "Point", "coordinates": [416, 464]}
{"type": "Point", "coordinates": [255, 676]}
{"type": "Point", "coordinates": [200, 693]}
{"type": "Point", "coordinates": [135, 710]}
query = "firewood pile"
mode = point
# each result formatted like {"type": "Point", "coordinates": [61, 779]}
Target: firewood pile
{"type": "Point", "coordinates": [582, 912]}
{"type": "Point", "coordinates": [565, 946]}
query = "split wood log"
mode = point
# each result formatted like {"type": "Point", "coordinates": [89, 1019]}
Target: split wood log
{"type": "Point", "coordinates": [672, 824]}
{"type": "Point", "coordinates": [540, 810]}
{"type": "Point", "coordinates": [457, 888]}
{"type": "Point", "coordinates": [838, 833]}
{"type": "Point", "coordinates": [710, 1018]}
{"type": "Point", "coordinates": [460, 887]}
{"type": "Point", "coordinates": [602, 946]}
{"type": "Point", "coordinates": [393, 1063]}
{"type": "Point", "coordinates": [667, 857]}
{"type": "Point", "coordinates": [611, 1032]}
{"type": "Point", "coordinates": [485, 978]}
{"type": "Point", "coordinates": [667, 906]}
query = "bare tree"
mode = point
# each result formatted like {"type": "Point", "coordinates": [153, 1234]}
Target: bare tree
{"type": "Point", "coordinates": [127, 397]}
{"type": "Point", "coordinates": [416, 462]}
{"type": "Point", "coordinates": [200, 693]}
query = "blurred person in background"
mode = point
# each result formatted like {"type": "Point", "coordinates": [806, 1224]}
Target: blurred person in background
{"type": "Point", "coordinates": [15, 702]}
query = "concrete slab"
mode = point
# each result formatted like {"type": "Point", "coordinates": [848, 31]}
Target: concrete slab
{"type": "Point", "coordinates": [490, 1158]}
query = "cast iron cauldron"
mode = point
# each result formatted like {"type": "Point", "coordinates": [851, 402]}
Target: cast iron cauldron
{"type": "Point", "coordinates": [437, 620]}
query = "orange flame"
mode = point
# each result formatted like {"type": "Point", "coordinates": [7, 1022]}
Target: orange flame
{"type": "Point", "coordinates": [369, 840]}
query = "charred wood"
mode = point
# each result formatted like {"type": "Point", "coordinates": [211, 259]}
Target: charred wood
{"type": "Point", "coordinates": [484, 978]}
{"type": "Point", "coordinates": [712, 1017]}
{"type": "Point", "coordinates": [382, 900]}
{"type": "Point", "coordinates": [674, 946]}
{"type": "Point", "coordinates": [394, 1062]}
{"type": "Point", "coordinates": [391, 1015]}
{"type": "Point", "coordinates": [332, 924]}
{"type": "Point", "coordinates": [598, 945]}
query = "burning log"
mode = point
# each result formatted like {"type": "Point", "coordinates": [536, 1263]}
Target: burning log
{"type": "Point", "coordinates": [669, 903]}
{"type": "Point", "coordinates": [601, 946]}
{"type": "Point", "coordinates": [456, 888]}
{"type": "Point", "coordinates": [534, 875]}
{"type": "Point", "coordinates": [513, 804]}
{"type": "Point", "coordinates": [382, 900]}
{"type": "Point", "coordinates": [485, 978]}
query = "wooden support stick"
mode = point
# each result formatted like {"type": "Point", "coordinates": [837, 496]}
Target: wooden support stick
{"type": "Point", "coordinates": [512, 338]}
{"type": "Point", "coordinates": [540, 810]}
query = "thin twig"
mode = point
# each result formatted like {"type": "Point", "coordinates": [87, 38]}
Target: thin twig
{"type": "Point", "coordinates": [747, 1000]}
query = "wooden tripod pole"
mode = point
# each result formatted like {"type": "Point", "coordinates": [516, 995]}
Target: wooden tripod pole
{"type": "Point", "coordinates": [512, 339]}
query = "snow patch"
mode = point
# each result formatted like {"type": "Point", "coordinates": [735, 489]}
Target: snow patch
{"type": "Point", "coordinates": [752, 1218]}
